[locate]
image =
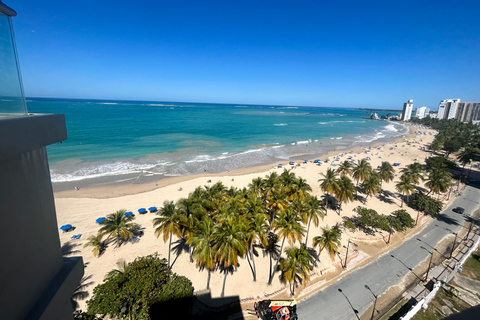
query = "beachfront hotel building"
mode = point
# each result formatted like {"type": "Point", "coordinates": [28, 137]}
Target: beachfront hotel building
{"type": "Point", "coordinates": [422, 112]}
{"type": "Point", "coordinates": [36, 281]}
{"type": "Point", "coordinates": [447, 108]}
{"type": "Point", "coordinates": [407, 110]}
{"type": "Point", "coordinates": [461, 111]}
{"type": "Point", "coordinates": [468, 111]}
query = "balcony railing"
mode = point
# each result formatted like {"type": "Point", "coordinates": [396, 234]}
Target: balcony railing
{"type": "Point", "coordinates": [12, 97]}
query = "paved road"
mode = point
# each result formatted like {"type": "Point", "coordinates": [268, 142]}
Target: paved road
{"type": "Point", "coordinates": [386, 271]}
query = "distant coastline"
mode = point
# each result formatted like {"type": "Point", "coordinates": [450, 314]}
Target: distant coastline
{"type": "Point", "coordinates": [125, 142]}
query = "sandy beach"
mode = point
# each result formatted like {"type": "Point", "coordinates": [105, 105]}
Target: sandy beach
{"type": "Point", "coordinates": [81, 208]}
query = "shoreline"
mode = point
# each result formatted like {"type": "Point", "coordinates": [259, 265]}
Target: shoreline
{"type": "Point", "coordinates": [111, 189]}
{"type": "Point", "coordinates": [81, 209]}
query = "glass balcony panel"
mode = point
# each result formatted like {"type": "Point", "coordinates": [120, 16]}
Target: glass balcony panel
{"type": "Point", "coordinates": [12, 99]}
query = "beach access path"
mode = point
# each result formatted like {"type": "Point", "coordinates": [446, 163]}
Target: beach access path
{"type": "Point", "coordinates": [387, 271]}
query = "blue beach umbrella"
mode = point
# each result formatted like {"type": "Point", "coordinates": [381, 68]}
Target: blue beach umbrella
{"type": "Point", "coordinates": [152, 209]}
{"type": "Point", "coordinates": [99, 220]}
{"type": "Point", "coordinates": [316, 160]}
{"type": "Point", "coordinates": [305, 161]}
{"type": "Point", "coordinates": [334, 164]}
{"type": "Point", "coordinates": [292, 162]}
{"type": "Point", "coordinates": [66, 227]}
{"type": "Point", "coordinates": [142, 210]}
{"type": "Point", "coordinates": [128, 213]}
{"type": "Point", "coordinates": [280, 165]}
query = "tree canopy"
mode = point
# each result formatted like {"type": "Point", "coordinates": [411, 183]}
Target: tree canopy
{"type": "Point", "coordinates": [144, 284]}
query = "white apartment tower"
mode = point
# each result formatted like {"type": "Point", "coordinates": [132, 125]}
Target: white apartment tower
{"type": "Point", "coordinates": [447, 109]}
{"type": "Point", "coordinates": [407, 110]}
{"type": "Point", "coordinates": [421, 112]}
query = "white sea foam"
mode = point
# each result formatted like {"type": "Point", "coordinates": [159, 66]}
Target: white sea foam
{"type": "Point", "coordinates": [304, 142]}
{"type": "Point", "coordinates": [391, 127]}
{"type": "Point", "coordinates": [280, 124]}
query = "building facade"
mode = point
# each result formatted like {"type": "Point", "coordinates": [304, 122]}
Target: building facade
{"type": "Point", "coordinates": [407, 110]}
{"type": "Point", "coordinates": [468, 111]}
{"type": "Point", "coordinates": [447, 109]}
{"type": "Point", "coordinates": [421, 112]}
{"type": "Point", "coordinates": [36, 281]}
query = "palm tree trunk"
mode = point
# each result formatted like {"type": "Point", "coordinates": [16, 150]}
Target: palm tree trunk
{"type": "Point", "coordinates": [402, 202]}
{"type": "Point", "coordinates": [276, 264]}
{"type": "Point", "coordinates": [254, 268]}
{"type": "Point", "coordinates": [308, 229]}
{"type": "Point", "coordinates": [250, 264]}
{"type": "Point", "coordinates": [326, 204]}
{"type": "Point", "coordinates": [208, 278]}
{"type": "Point", "coordinates": [169, 248]}
{"type": "Point", "coordinates": [224, 281]}
{"type": "Point", "coordinates": [270, 273]}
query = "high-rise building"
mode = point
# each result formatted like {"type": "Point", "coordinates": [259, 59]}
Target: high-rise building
{"type": "Point", "coordinates": [36, 281]}
{"type": "Point", "coordinates": [468, 111]}
{"type": "Point", "coordinates": [407, 110]}
{"type": "Point", "coordinates": [447, 109]}
{"type": "Point", "coordinates": [421, 112]}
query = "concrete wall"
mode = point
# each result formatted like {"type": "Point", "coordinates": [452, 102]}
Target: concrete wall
{"type": "Point", "coordinates": [30, 251]}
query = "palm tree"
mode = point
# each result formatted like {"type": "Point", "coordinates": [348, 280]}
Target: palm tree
{"type": "Point", "coordinates": [287, 180]}
{"type": "Point", "coordinates": [386, 172]}
{"type": "Point", "coordinates": [271, 182]}
{"type": "Point", "coordinates": [312, 211]}
{"type": "Point", "coordinates": [118, 226]}
{"type": "Point", "coordinates": [289, 227]}
{"type": "Point", "coordinates": [329, 183]}
{"type": "Point", "coordinates": [468, 154]}
{"type": "Point", "coordinates": [203, 247]}
{"type": "Point", "coordinates": [257, 228]}
{"type": "Point", "coordinates": [168, 222]}
{"type": "Point", "coordinates": [275, 203]}
{"type": "Point", "coordinates": [230, 243]}
{"type": "Point", "coordinates": [121, 267]}
{"type": "Point", "coordinates": [190, 211]}
{"type": "Point", "coordinates": [414, 170]}
{"type": "Point", "coordinates": [405, 186]}
{"type": "Point", "coordinates": [272, 249]}
{"type": "Point", "coordinates": [345, 168]}
{"type": "Point", "coordinates": [345, 190]}
{"type": "Point", "coordinates": [438, 180]}
{"type": "Point", "coordinates": [256, 186]}
{"type": "Point", "coordinates": [362, 170]}
{"type": "Point", "coordinates": [330, 240]}
{"type": "Point", "coordinates": [97, 243]}
{"type": "Point", "coordinates": [301, 188]}
{"type": "Point", "coordinates": [371, 184]}
{"type": "Point", "coordinates": [296, 266]}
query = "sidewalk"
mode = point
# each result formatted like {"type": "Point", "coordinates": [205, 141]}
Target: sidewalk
{"type": "Point", "coordinates": [444, 270]}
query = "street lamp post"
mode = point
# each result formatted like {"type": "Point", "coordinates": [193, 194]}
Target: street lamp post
{"type": "Point", "coordinates": [346, 255]}
{"type": "Point", "coordinates": [469, 229]}
{"type": "Point", "coordinates": [416, 220]}
{"type": "Point", "coordinates": [374, 303]}
{"type": "Point", "coordinates": [453, 246]}
{"type": "Point", "coordinates": [429, 263]}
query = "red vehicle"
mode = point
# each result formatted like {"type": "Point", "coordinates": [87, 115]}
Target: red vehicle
{"type": "Point", "coordinates": [276, 309]}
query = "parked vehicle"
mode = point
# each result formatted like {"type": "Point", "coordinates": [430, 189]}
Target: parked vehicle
{"type": "Point", "coordinates": [458, 210]}
{"type": "Point", "coordinates": [276, 309]}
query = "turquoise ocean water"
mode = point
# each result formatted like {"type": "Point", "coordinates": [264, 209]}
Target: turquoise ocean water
{"type": "Point", "coordinates": [125, 140]}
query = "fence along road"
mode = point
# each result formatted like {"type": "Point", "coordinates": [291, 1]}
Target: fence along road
{"type": "Point", "coordinates": [385, 272]}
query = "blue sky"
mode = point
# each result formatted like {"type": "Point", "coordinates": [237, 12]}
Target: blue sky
{"type": "Point", "coordinates": [371, 54]}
